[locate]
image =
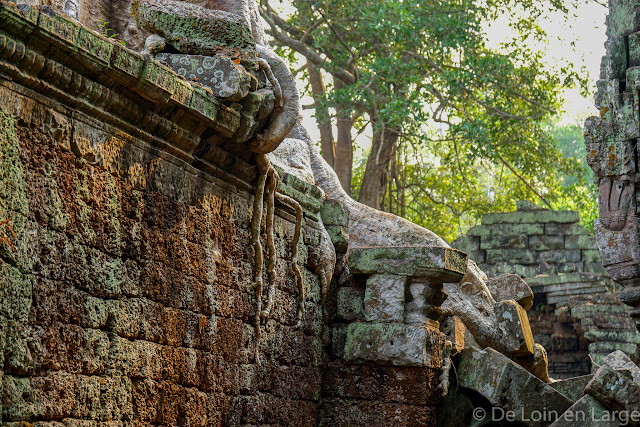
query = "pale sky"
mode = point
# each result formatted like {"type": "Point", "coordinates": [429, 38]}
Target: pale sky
{"type": "Point", "coordinates": [586, 30]}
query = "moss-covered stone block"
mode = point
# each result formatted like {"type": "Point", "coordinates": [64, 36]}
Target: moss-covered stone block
{"type": "Point", "coordinates": [446, 264]}
{"type": "Point", "coordinates": [156, 82]}
{"type": "Point", "coordinates": [530, 217]}
{"type": "Point", "coordinates": [126, 65]}
{"type": "Point", "coordinates": [334, 212]}
{"type": "Point", "coordinates": [58, 30]}
{"type": "Point", "coordinates": [508, 385]}
{"type": "Point", "coordinates": [94, 48]}
{"type": "Point", "coordinates": [21, 19]}
{"type": "Point", "coordinates": [349, 303]}
{"type": "Point", "coordinates": [193, 29]}
{"type": "Point", "coordinates": [204, 105]}
{"type": "Point", "coordinates": [394, 344]}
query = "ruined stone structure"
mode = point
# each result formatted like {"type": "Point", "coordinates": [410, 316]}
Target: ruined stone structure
{"type": "Point", "coordinates": [612, 153]}
{"type": "Point", "coordinates": [173, 250]}
{"type": "Point", "coordinates": [577, 315]}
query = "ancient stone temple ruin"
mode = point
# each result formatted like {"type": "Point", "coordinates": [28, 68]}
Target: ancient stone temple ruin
{"type": "Point", "coordinates": [173, 250]}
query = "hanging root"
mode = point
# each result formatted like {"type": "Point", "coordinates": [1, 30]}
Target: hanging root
{"type": "Point", "coordinates": [264, 66]}
{"type": "Point", "coordinates": [324, 286]}
{"type": "Point", "coordinates": [446, 368]}
{"type": "Point", "coordinates": [294, 254]}
{"type": "Point", "coordinates": [273, 180]}
{"type": "Point", "coordinates": [287, 108]}
{"type": "Point", "coordinates": [256, 218]}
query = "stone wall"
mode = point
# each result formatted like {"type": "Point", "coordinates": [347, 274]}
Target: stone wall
{"type": "Point", "coordinates": [531, 242]}
{"type": "Point", "coordinates": [126, 293]}
{"type": "Point", "coordinates": [576, 315]}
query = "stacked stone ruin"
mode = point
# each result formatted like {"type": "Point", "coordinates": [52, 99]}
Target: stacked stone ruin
{"type": "Point", "coordinates": [577, 315]}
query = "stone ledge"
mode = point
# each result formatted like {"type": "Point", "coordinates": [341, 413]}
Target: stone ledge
{"type": "Point", "coordinates": [446, 264]}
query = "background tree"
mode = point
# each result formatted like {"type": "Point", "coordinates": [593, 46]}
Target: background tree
{"type": "Point", "coordinates": [422, 75]}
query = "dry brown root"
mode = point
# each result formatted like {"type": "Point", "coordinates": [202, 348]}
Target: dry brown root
{"type": "Point", "coordinates": [295, 265]}
{"type": "Point", "coordinates": [443, 379]}
{"type": "Point", "coordinates": [285, 115]}
{"type": "Point", "coordinates": [256, 219]}
{"type": "Point", "coordinates": [273, 180]}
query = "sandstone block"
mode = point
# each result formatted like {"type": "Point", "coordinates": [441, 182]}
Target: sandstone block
{"type": "Point", "coordinates": [225, 78]}
{"type": "Point", "coordinates": [193, 29]}
{"type": "Point", "coordinates": [530, 217]}
{"type": "Point", "coordinates": [498, 242]}
{"type": "Point", "coordinates": [554, 228]}
{"type": "Point", "coordinates": [508, 385]}
{"type": "Point", "coordinates": [394, 344]}
{"type": "Point", "coordinates": [506, 229]}
{"type": "Point", "coordinates": [334, 212]}
{"type": "Point", "coordinates": [511, 287]}
{"type": "Point", "coordinates": [466, 243]}
{"type": "Point", "coordinates": [455, 330]}
{"type": "Point", "coordinates": [545, 242]}
{"type": "Point", "coordinates": [514, 329]}
{"type": "Point", "coordinates": [615, 389]}
{"type": "Point", "coordinates": [350, 302]}
{"type": "Point", "coordinates": [422, 300]}
{"type": "Point", "coordinates": [586, 412]}
{"type": "Point", "coordinates": [446, 264]}
{"type": "Point", "coordinates": [573, 388]}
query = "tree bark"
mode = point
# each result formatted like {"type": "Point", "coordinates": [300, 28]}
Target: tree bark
{"type": "Point", "coordinates": [344, 147]}
{"type": "Point", "coordinates": [374, 181]}
{"type": "Point", "coordinates": [323, 118]}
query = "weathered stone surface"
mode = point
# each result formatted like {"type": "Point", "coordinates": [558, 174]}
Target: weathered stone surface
{"type": "Point", "coordinates": [334, 212]}
{"type": "Point", "coordinates": [530, 217]}
{"type": "Point", "coordinates": [513, 327]}
{"type": "Point", "coordinates": [455, 331]}
{"type": "Point", "coordinates": [394, 344]}
{"type": "Point", "coordinates": [350, 303]}
{"type": "Point", "coordinates": [446, 264]}
{"type": "Point", "coordinates": [508, 385]}
{"type": "Point", "coordinates": [573, 388]}
{"type": "Point", "coordinates": [620, 361]}
{"type": "Point", "coordinates": [384, 298]}
{"type": "Point", "coordinates": [537, 364]}
{"type": "Point", "coordinates": [511, 287]}
{"type": "Point", "coordinates": [615, 389]}
{"type": "Point", "coordinates": [587, 412]}
{"type": "Point", "coordinates": [422, 300]}
{"type": "Point", "coordinates": [226, 79]}
{"type": "Point", "coordinates": [193, 29]}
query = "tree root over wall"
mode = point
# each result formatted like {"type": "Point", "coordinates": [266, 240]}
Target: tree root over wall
{"type": "Point", "coordinates": [266, 187]}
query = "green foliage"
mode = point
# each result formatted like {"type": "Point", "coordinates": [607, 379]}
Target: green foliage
{"type": "Point", "coordinates": [473, 119]}
{"type": "Point", "coordinates": [108, 32]}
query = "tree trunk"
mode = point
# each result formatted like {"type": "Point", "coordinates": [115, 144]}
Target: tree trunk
{"type": "Point", "coordinates": [323, 118]}
{"type": "Point", "coordinates": [344, 147]}
{"type": "Point", "coordinates": [374, 181]}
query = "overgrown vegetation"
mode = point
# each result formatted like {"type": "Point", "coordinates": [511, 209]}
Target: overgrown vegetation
{"type": "Point", "coordinates": [460, 128]}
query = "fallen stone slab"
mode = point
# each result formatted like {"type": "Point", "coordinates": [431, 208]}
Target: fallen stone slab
{"type": "Point", "coordinates": [587, 412]}
{"type": "Point", "coordinates": [394, 344]}
{"type": "Point", "coordinates": [514, 329]}
{"type": "Point", "coordinates": [616, 390]}
{"type": "Point", "coordinates": [511, 287]}
{"type": "Point", "coordinates": [509, 386]}
{"type": "Point", "coordinates": [573, 388]}
{"type": "Point", "coordinates": [619, 360]}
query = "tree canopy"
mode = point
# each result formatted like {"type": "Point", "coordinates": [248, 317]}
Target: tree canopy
{"type": "Point", "coordinates": [460, 128]}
